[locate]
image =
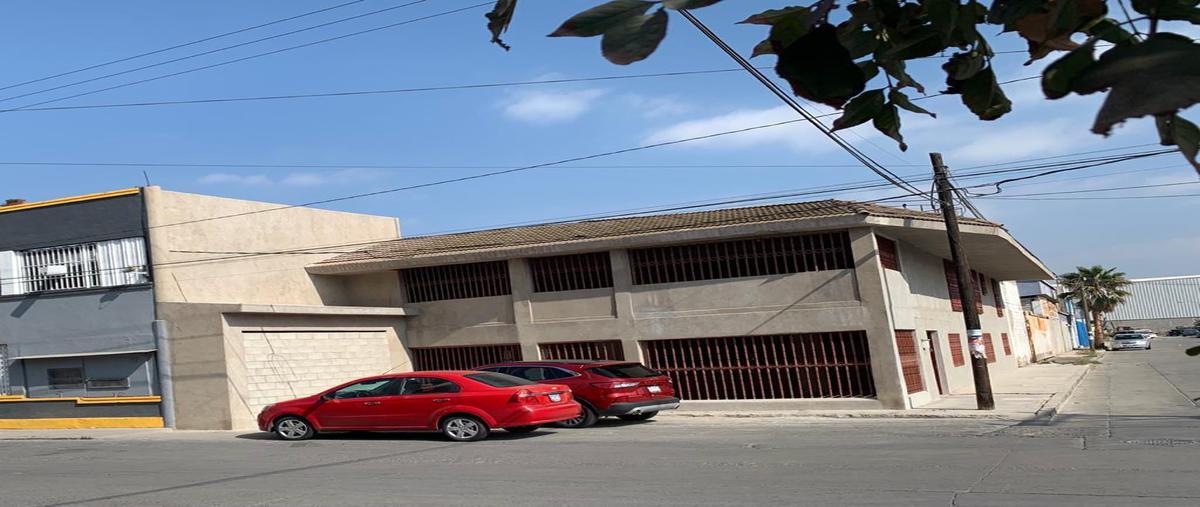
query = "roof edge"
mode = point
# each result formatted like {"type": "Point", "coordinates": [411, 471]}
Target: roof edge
{"type": "Point", "coordinates": [70, 200]}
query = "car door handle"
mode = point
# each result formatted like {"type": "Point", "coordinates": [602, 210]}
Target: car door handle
{"type": "Point", "coordinates": [372, 402]}
{"type": "Point", "coordinates": [441, 400]}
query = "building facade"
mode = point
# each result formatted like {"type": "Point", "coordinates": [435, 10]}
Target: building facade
{"type": "Point", "coordinates": [1160, 304]}
{"type": "Point", "coordinates": [76, 312]}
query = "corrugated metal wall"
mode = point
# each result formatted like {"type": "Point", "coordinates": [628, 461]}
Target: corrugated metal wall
{"type": "Point", "coordinates": [1160, 298]}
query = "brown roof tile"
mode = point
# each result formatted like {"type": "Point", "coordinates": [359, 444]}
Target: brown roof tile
{"type": "Point", "coordinates": [567, 232]}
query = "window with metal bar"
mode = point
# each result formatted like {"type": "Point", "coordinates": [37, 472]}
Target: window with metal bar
{"type": "Point", "coordinates": [989, 347]}
{"type": "Point", "coordinates": [72, 267]}
{"type": "Point", "coordinates": [571, 272]}
{"type": "Point", "coordinates": [457, 281]}
{"type": "Point", "coordinates": [1007, 346]}
{"type": "Point", "coordinates": [956, 349]}
{"type": "Point", "coordinates": [952, 286]}
{"type": "Point", "coordinates": [596, 350]}
{"type": "Point", "coordinates": [742, 258]}
{"type": "Point", "coordinates": [813, 365]}
{"type": "Point", "coordinates": [977, 287]}
{"type": "Point", "coordinates": [462, 357]}
{"type": "Point", "coordinates": [888, 254]}
{"type": "Point", "coordinates": [997, 298]}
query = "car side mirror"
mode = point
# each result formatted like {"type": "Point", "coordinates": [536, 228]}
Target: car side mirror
{"type": "Point", "coordinates": [327, 396]}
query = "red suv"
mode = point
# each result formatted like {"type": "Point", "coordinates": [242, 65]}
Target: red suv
{"type": "Point", "coordinates": [629, 391]}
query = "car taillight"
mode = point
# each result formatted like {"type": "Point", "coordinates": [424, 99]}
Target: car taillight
{"type": "Point", "coordinates": [524, 396]}
{"type": "Point", "coordinates": [615, 385]}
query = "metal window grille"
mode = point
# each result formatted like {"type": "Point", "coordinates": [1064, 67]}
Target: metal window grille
{"type": "Point", "coordinates": [977, 287]}
{"type": "Point", "coordinates": [989, 347]}
{"type": "Point", "coordinates": [814, 365]}
{"type": "Point", "coordinates": [605, 349]}
{"type": "Point", "coordinates": [463, 357]}
{"type": "Point", "coordinates": [457, 281]}
{"type": "Point", "coordinates": [81, 266]}
{"type": "Point", "coordinates": [956, 349]}
{"type": "Point", "coordinates": [998, 298]}
{"type": "Point", "coordinates": [733, 259]}
{"type": "Point", "coordinates": [952, 286]}
{"type": "Point", "coordinates": [888, 254]}
{"type": "Point", "coordinates": [4, 383]}
{"type": "Point", "coordinates": [910, 361]}
{"type": "Point", "coordinates": [571, 272]}
{"type": "Point", "coordinates": [1007, 346]}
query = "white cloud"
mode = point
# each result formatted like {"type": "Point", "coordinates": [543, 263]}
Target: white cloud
{"type": "Point", "coordinates": [543, 107]}
{"type": "Point", "coordinates": [234, 179]}
{"type": "Point", "coordinates": [656, 107]}
{"type": "Point", "coordinates": [340, 177]}
{"type": "Point", "coordinates": [993, 142]}
{"type": "Point", "coordinates": [799, 136]}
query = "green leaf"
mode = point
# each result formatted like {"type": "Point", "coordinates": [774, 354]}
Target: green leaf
{"type": "Point", "coordinates": [762, 48]}
{"type": "Point", "coordinates": [898, 98]}
{"type": "Point", "coordinates": [1160, 75]}
{"type": "Point", "coordinates": [1007, 12]}
{"type": "Point", "coordinates": [1185, 135]}
{"type": "Point", "coordinates": [888, 122]}
{"type": "Point", "coordinates": [943, 14]}
{"type": "Point", "coordinates": [1059, 77]}
{"type": "Point", "coordinates": [870, 69]}
{"type": "Point", "coordinates": [818, 68]}
{"type": "Point", "coordinates": [769, 17]}
{"type": "Point", "coordinates": [499, 19]}
{"type": "Point", "coordinates": [599, 19]}
{"type": "Point", "coordinates": [919, 42]}
{"type": "Point", "coordinates": [635, 38]}
{"type": "Point", "coordinates": [687, 4]}
{"type": "Point", "coordinates": [980, 93]}
{"type": "Point", "coordinates": [860, 109]}
{"type": "Point", "coordinates": [897, 69]}
{"type": "Point", "coordinates": [1178, 10]}
{"type": "Point", "coordinates": [963, 66]}
{"type": "Point", "coordinates": [857, 41]}
{"type": "Point", "coordinates": [1109, 30]}
{"type": "Point", "coordinates": [788, 29]}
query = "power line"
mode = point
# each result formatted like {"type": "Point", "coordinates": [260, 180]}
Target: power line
{"type": "Point", "coordinates": [1110, 189]}
{"type": "Point", "coordinates": [1099, 162]}
{"type": "Point", "coordinates": [254, 56]}
{"type": "Point", "coordinates": [1109, 198]}
{"type": "Point", "coordinates": [179, 46]}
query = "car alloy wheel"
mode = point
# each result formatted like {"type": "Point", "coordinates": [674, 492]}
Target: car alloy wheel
{"type": "Point", "coordinates": [586, 418]}
{"type": "Point", "coordinates": [293, 428]}
{"type": "Point", "coordinates": [464, 429]}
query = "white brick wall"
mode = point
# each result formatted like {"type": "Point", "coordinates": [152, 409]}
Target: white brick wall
{"type": "Point", "coordinates": [282, 366]}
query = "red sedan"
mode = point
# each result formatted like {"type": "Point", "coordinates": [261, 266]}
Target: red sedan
{"type": "Point", "coordinates": [463, 405]}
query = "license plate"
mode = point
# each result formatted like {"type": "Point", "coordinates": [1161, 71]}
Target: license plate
{"type": "Point", "coordinates": [555, 397]}
{"type": "Point", "coordinates": [654, 389]}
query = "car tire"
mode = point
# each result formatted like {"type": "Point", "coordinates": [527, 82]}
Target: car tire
{"type": "Point", "coordinates": [464, 428]}
{"type": "Point", "coordinates": [587, 417]}
{"type": "Point", "coordinates": [293, 428]}
{"type": "Point", "coordinates": [637, 417]}
{"type": "Point", "coordinates": [522, 429]}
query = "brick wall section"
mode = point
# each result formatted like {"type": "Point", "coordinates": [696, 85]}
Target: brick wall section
{"type": "Point", "coordinates": [283, 366]}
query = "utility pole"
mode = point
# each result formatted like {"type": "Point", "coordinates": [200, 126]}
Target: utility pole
{"type": "Point", "coordinates": [966, 287]}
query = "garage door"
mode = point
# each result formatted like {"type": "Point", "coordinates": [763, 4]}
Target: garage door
{"type": "Point", "coordinates": [816, 365]}
{"type": "Point", "coordinates": [282, 365]}
{"type": "Point", "coordinates": [463, 357]}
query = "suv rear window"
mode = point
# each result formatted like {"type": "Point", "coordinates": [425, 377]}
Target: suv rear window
{"type": "Point", "coordinates": [627, 370]}
{"type": "Point", "coordinates": [497, 379]}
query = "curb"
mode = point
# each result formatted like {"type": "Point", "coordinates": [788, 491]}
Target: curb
{"type": "Point", "coordinates": [1049, 410]}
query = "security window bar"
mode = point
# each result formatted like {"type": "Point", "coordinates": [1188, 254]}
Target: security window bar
{"type": "Point", "coordinates": [735, 259]}
{"type": "Point", "coordinates": [73, 267]}
{"type": "Point", "coordinates": [457, 281]}
{"type": "Point", "coordinates": [910, 361]}
{"type": "Point", "coordinates": [956, 349]}
{"type": "Point", "coordinates": [977, 287]}
{"type": "Point", "coordinates": [989, 347]}
{"type": "Point", "coordinates": [595, 350]}
{"type": "Point", "coordinates": [813, 365]}
{"type": "Point", "coordinates": [998, 298]}
{"type": "Point", "coordinates": [952, 286]}
{"type": "Point", "coordinates": [571, 272]}
{"type": "Point", "coordinates": [888, 253]}
{"type": "Point", "coordinates": [464, 357]}
{"type": "Point", "coordinates": [65, 378]}
{"type": "Point", "coordinates": [1007, 345]}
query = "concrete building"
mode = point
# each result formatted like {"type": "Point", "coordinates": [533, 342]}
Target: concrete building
{"type": "Point", "coordinates": [76, 306]}
{"type": "Point", "coordinates": [1053, 325]}
{"type": "Point", "coordinates": [1160, 304]}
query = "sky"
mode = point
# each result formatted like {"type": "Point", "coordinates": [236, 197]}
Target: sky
{"type": "Point", "coordinates": [367, 143]}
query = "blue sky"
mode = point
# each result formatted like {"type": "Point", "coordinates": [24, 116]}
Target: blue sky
{"type": "Point", "coordinates": [505, 127]}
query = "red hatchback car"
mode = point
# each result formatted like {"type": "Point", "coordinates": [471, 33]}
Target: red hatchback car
{"type": "Point", "coordinates": [463, 405]}
{"type": "Point", "coordinates": [629, 391]}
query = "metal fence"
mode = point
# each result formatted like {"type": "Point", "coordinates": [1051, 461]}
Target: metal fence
{"type": "Point", "coordinates": [464, 357]}
{"type": "Point", "coordinates": [457, 281]}
{"type": "Point", "coordinates": [733, 259]}
{"type": "Point", "coordinates": [571, 272]}
{"type": "Point", "coordinates": [598, 350]}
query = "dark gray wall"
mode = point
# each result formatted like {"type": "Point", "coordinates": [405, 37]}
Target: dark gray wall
{"type": "Point", "coordinates": [53, 409]}
{"type": "Point", "coordinates": [66, 224]}
{"type": "Point", "coordinates": [78, 322]}
{"type": "Point", "coordinates": [135, 368]}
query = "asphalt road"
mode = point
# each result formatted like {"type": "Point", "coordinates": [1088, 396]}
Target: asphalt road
{"type": "Point", "coordinates": [1129, 436]}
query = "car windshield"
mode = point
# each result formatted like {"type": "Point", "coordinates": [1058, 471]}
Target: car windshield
{"type": "Point", "coordinates": [497, 379]}
{"type": "Point", "coordinates": [1130, 337]}
{"type": "Point", "coordinates": [627, 370]}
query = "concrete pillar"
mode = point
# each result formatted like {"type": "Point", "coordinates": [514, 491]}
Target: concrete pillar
{"type": "Point", "coordinates": [623, 299]}
{"type": "Point", "coordinates": [166, 382]}
{"type": "Point", "coordinates": [521, 282]}
{"type": "Point", "coordinates": [877, 320]}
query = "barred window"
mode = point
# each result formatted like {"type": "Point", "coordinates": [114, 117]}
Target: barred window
{"type": "Point", "coordinates": [571, 272]}
{"type": "Point", "coordinates": [734, 259]}
{"type": "Point", "coordinates": [70, 267]}
{"type": "Point", "coordinates": [956, 303]}
{"type": "Point", "coordinates": [465, 357]}
{"type": "Point", "coordinates": [956, 349]}
{"type": "Point", "coordinates": [457, 281]}
{"type": "Point", "coordinates": [998, 297]}
{"type": "Point", "coordinates": [888, 255]}
{"type": "Point", "coordinates": [596, 350]}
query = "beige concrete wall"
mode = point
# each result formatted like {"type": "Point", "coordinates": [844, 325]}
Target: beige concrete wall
{"type": "Point", "coordinates": [187, 222]}
{"type": "Point", "coordinates": [572, 305]}
{"type": "Point", "coordinates": [197, 337]}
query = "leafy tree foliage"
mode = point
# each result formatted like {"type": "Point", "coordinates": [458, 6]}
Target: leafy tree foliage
{"type": "Point", "coordinates": [840, 63]}
{"type": "Point", "coordinates": [1098, 289]}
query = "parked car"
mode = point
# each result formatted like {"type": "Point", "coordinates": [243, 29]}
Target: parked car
{"type": "Point", "coordinates": [1193, 332]}
{"type": "Point", "coordinates": [629, 391]}
{"type": "Point", "coordinates": [1148, 332]}
{"type": "Point", "coordinates": [1122, 341]}
{"type": "Point", "coordinates": [463, 405]}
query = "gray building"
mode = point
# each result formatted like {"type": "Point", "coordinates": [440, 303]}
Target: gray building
{"type": "Point", "coordinates": [1160, 304]}
{"type": "Point", "coordinates": [76, 310]}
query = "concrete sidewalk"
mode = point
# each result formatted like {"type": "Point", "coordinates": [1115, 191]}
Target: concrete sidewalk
{"type": "Point", "coordinates": [1032, 392]}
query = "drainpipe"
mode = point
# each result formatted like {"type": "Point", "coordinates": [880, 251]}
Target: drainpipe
{"type": "Point", "coordinates": [163, 361]}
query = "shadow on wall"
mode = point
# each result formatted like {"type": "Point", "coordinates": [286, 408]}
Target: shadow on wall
{"type": "Point", "coordinates": [815, 290]}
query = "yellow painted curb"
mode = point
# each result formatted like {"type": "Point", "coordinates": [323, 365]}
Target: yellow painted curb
{"type": "Point", "coordinates": [68, 200]}
{"type": "Point", "coordinates": [78, 423]}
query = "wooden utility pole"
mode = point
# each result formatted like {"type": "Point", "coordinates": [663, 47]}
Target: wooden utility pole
{"type": "Point", "coordinates": [966, 287]}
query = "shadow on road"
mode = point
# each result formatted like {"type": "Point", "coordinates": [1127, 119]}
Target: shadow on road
{"type": "Point", "coordinates": [426, 436]}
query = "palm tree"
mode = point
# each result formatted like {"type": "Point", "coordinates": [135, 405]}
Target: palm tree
{"type": "Point", "coordinates": [1098, 290]}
